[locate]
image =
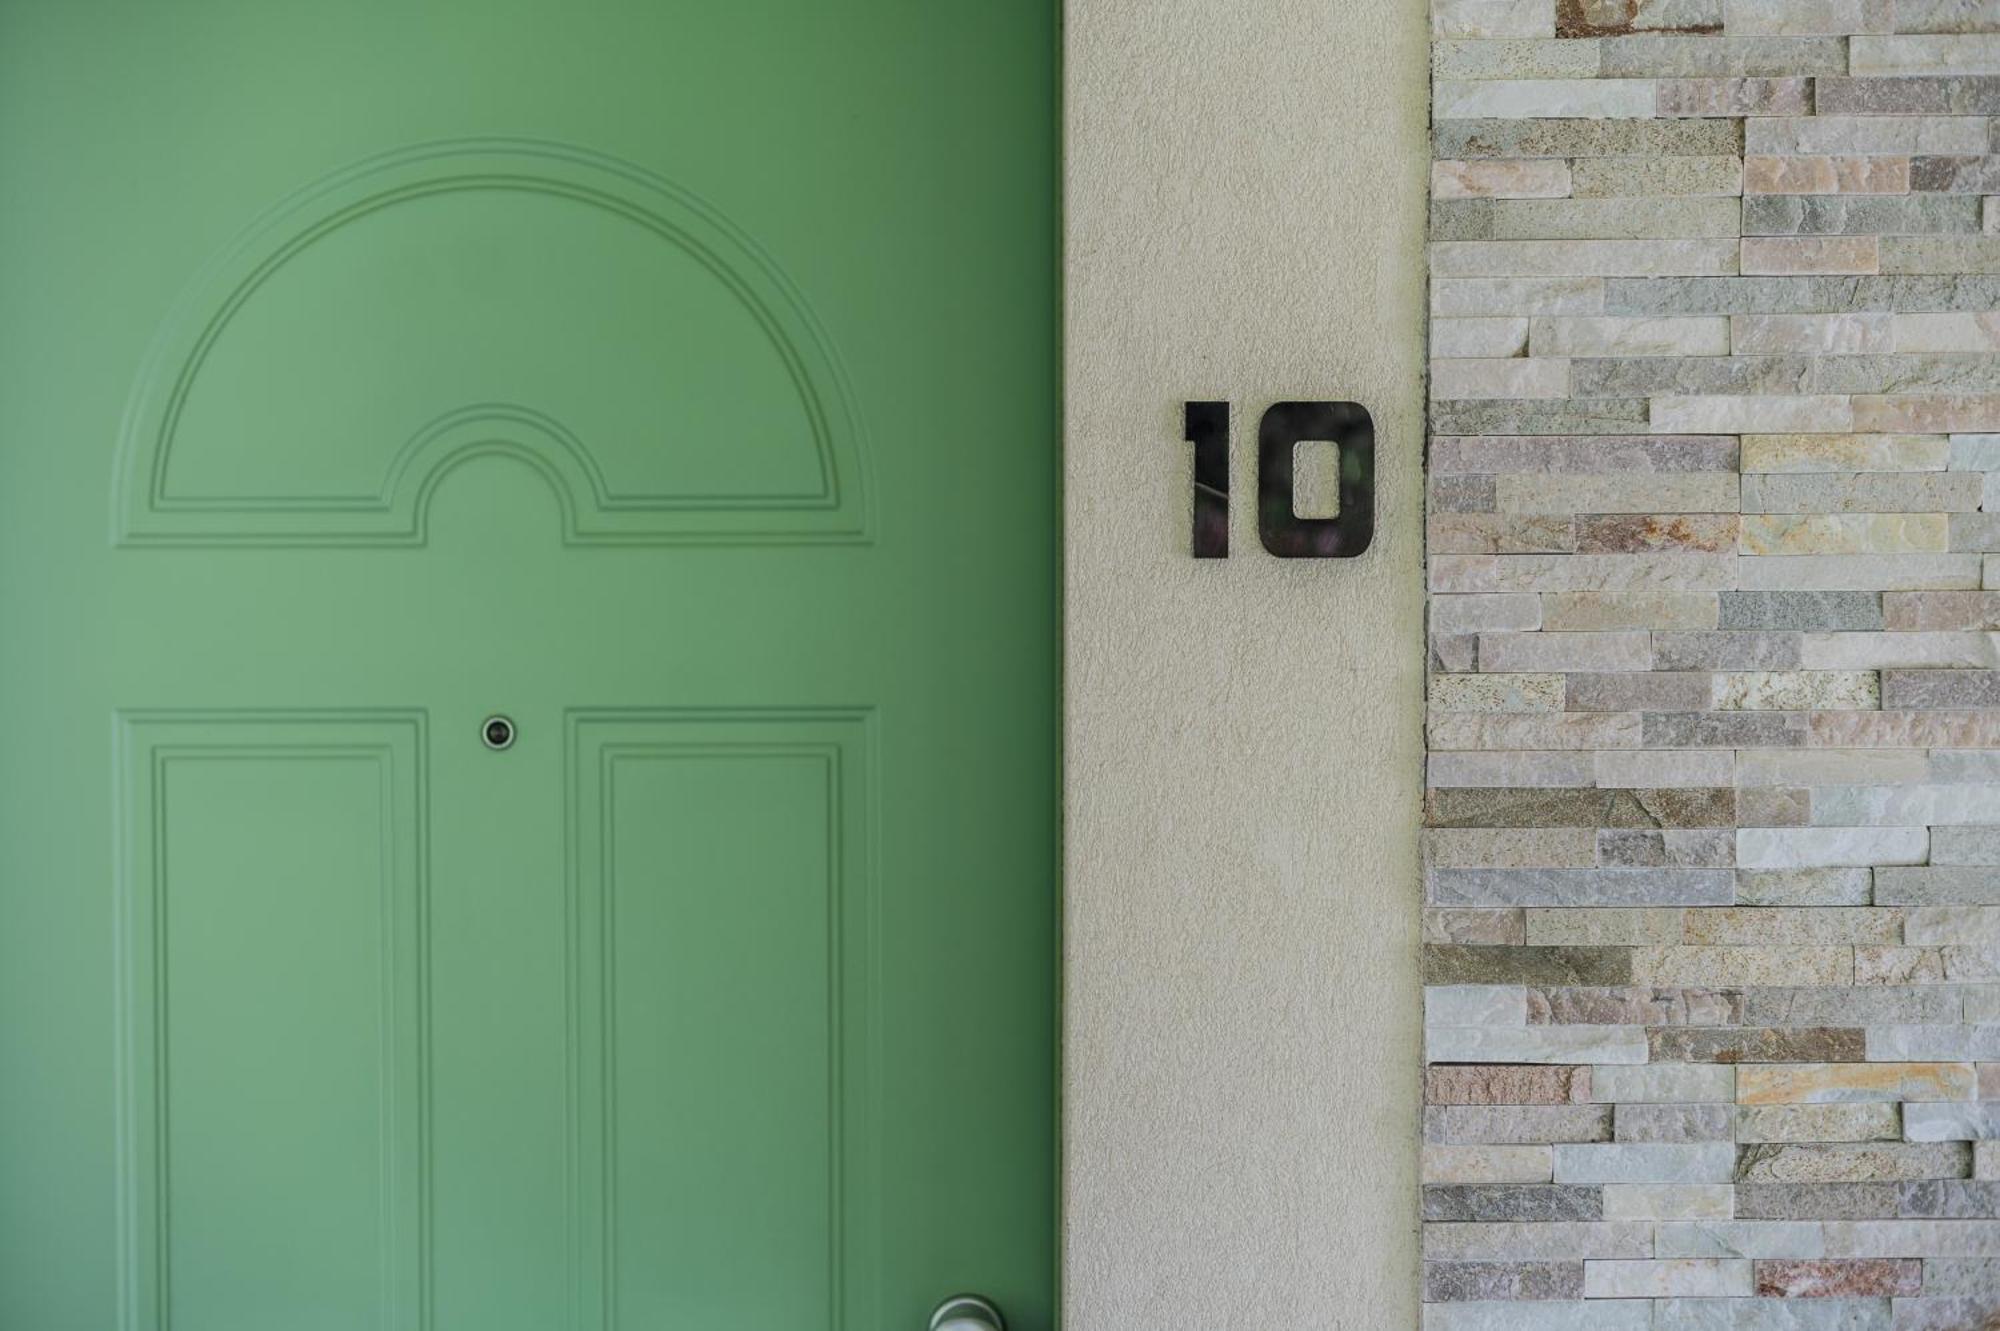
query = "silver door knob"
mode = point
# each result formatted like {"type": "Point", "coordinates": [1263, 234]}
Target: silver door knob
{"type": "Point", "coordinates": [967, 1312]}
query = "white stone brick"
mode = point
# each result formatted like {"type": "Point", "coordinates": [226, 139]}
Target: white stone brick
{"type": "Point", "coordinates": [1939, 1121]}
{"type": "Point", "coordinates": [1829, 767]}
{"type": "Point", "coordinates": [1950, 331]}
{"type": "Point", "coordinates": [1512, 377]}
{"type": "Point", "coordinates": [1645, 1162]}
{"type": "Point", "coordinates": [1567, 1240]}
{"type": "Point", "coordinates": [1517, 612]}
{"type": "Point", "coordinates": [1832, 573]}
{"type": "Point", "coordinates": [1493, 18]}
{"type": "Point", "coordinates": [1480, 297]}
{"type": "Point", "coordinates": [1668, 1201]}
{"type": "Point", "coordinates": [1953, 53]}
{"type": "Point", "coordinates": [1446, 771]}
{"type": "Point", "coordinates": [1475, 1005]}
{"type": "Point", "coordinates": [1816, 847]}
{"type": "Point", "coordinates": [1811, 334]}
{"type": "Point", "coordinates": [1453, 99]}
{"type": "Point", "coordinates": [1479, 337]}
{"type": "Point", "coordinates": [1975, 452]}
{"type": "Point", "coordinates": [1565, 651]}
{"type": "Point", "coordinates": [1741, 1238]}
{"type": "Point", "coordinates": [1611, 336]}
{"type": "Point", "coordinates": [1535, 1044]}
{"type": "Point", "coordinates": [1896, 136]}
{"type": "Point", "coordinates": [1655, 770]}
{"type": "Point", "coordinates": [1591, 258]}
{"type": "Point", "coordinates": [1912, 1238]}
{"type": "Point", "coordinates": [1540, 1315]}
{"type": "Point", "coordinates": [1925, 925]}
{"type": "Point", "coordinates": [1698, 1278]}
{"type": "Point", "coordinates": [1905, 806]}
{"type": "Point", "coordinates": [1488, 1164]}
{"type": "Point", "coordinates": [1663, 1083]}
{"type": "Point", "coordinates": [1880, 651]}
{"type": "Point", "coordinates": [1802, 18]}
{"type": "Point", "coordinates": [1747, 413]}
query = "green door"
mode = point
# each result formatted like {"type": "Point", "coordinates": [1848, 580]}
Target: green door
{"type": "Point", "coordinates": [674, 381]}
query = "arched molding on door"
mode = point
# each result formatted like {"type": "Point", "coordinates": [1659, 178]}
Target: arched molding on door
{"type": "Point", "coordinates": [470, 282]}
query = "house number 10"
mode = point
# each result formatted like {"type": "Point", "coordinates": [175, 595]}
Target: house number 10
{"type": "Point", "coordinates": [1286, 425]}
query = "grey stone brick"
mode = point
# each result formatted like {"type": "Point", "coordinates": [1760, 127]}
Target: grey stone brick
{"type": "Point", "coordinates": [1652, 376]}
{"type": "Point", "coordinates": [1627, 691]}
{"type": "Point", "coordinates": [1494, 807]}
{"type": "Point", "coordinates": [1461, 219]}
{"type": "Point", "coordinates": [1874, 1005]}
{"type": "Point", "coordinates": [1939, 372]}
{"type": "Point", "coordinates": [1863, 1162]}
{"type": "Point", "coordinates": [1757, 1044]}
{"type": "Point", "coordinates": [1854, 215]}
{"type": "Point", "coordinates": [1949, 1199]}
{"type": "Point", "coordinates": [1453, 1282]}
{"type": "Point", "coordinates": [1956, 175]}
{"type": "Point", "coordinates": [1621, 454]}
{"type": "Point", "coordinates": [1826, 886]}
{"type": "Point", "coordinates": [1581, 887]}
{"type": "Point", "coordinates": [1799, 295]}
{"type": "Point", "coordinates": [1554, 416]}
{"type": "Point", "coordinates": [1956, 95]}
{"type": "Point", "coordinates": [1800, 610]}
{"type": "Point", "coordinates": [1512, 1201]}
{"type": "Point", "coordinates": [1454, 140]}
{"type": "Point", "coordinates": [1966, 845]}
{"type": "Point", "coordinates": [1877, 492]}
{"type": "Point", "coordinates": [1516, 1125]}
{"type": "Point", "coordinates": [1719, 57]}
{"type": "Point", "coordinates": [1727, 651]}
{"type": "Point", "coordinates": [1705, 848]}
{"type": "Point", "coordinates": [1453, 964]}
{"type": "Point", "coordinates": [1941, 688]}
{"type": "Point", "coordinates": [1632, 1005]}
{"type": "Point", "coordinates": [1816, 1201]}
{"type": "Point", "coordinates": [1724, 730]}
{"type": "Point", "coordinates": [1937, 886]}
{"type": "Point", "coordinates": [1673, 1123]}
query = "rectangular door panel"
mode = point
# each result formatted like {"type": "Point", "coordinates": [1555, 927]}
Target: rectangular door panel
{"type": "Point", "coordinates": [720, 972]}
{"type": "Point", "coordinates": [272, 1040]}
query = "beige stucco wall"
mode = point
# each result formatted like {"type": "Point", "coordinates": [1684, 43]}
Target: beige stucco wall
{"type": "Point", "coordinates": [1245, 188]}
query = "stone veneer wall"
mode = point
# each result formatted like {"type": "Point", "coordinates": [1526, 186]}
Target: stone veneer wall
{"type": "Point", "coordinates": [1712, 883]}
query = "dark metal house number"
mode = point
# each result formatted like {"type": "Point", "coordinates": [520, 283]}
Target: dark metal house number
{"type": "Point", "coordinates": [1346, 425]}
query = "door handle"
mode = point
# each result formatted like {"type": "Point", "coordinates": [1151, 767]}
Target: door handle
{"type": "Point", "coordinates": [967, 1312]}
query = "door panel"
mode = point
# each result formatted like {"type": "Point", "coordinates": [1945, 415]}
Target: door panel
{"type": "Point", "coordinates": [273, 1020]}
{"type": "Point", "coordinates": [676, 380]}
{"type": "Point", "coordinates": [721, 930]}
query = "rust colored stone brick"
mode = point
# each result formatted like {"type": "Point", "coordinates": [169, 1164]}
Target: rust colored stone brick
{"type": "Point", "coordinates": [1870, 1278]}
{"type": "Point", "coordinates": [1757, 1045]}
{"type": "Point", "coordinates": [1506, 1084]}
{"type": "Point", "coordinates": [1630, 534]}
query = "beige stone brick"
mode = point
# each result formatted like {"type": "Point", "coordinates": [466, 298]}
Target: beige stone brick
{"type": "Point", "coordinates": [1843, 534]}
{"type": "Point", "coordinates": [1723, 966]}
{"type": "Point", "coordinates": [1850, 1083]}
{"type": "Point", "coordinates": [1810, 254]}
{"type": "Point", "coordinates": [1826, 175]}
{"type": "Point", "coordinates": [1674, 176]}
{"type": "Point", "coordinates": [1844, 452]}
{"type": "Point", "coordinates": [1499, 178]}
{"type": "Point", "coordinates": [1811, 334]}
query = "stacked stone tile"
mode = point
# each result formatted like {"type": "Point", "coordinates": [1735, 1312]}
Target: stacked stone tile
{"type": "Point", "coordinates": [1712, 870]}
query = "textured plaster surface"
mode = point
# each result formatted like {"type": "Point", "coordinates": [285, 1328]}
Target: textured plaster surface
{"type": "Point", "coordinates": [1245, 198]}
